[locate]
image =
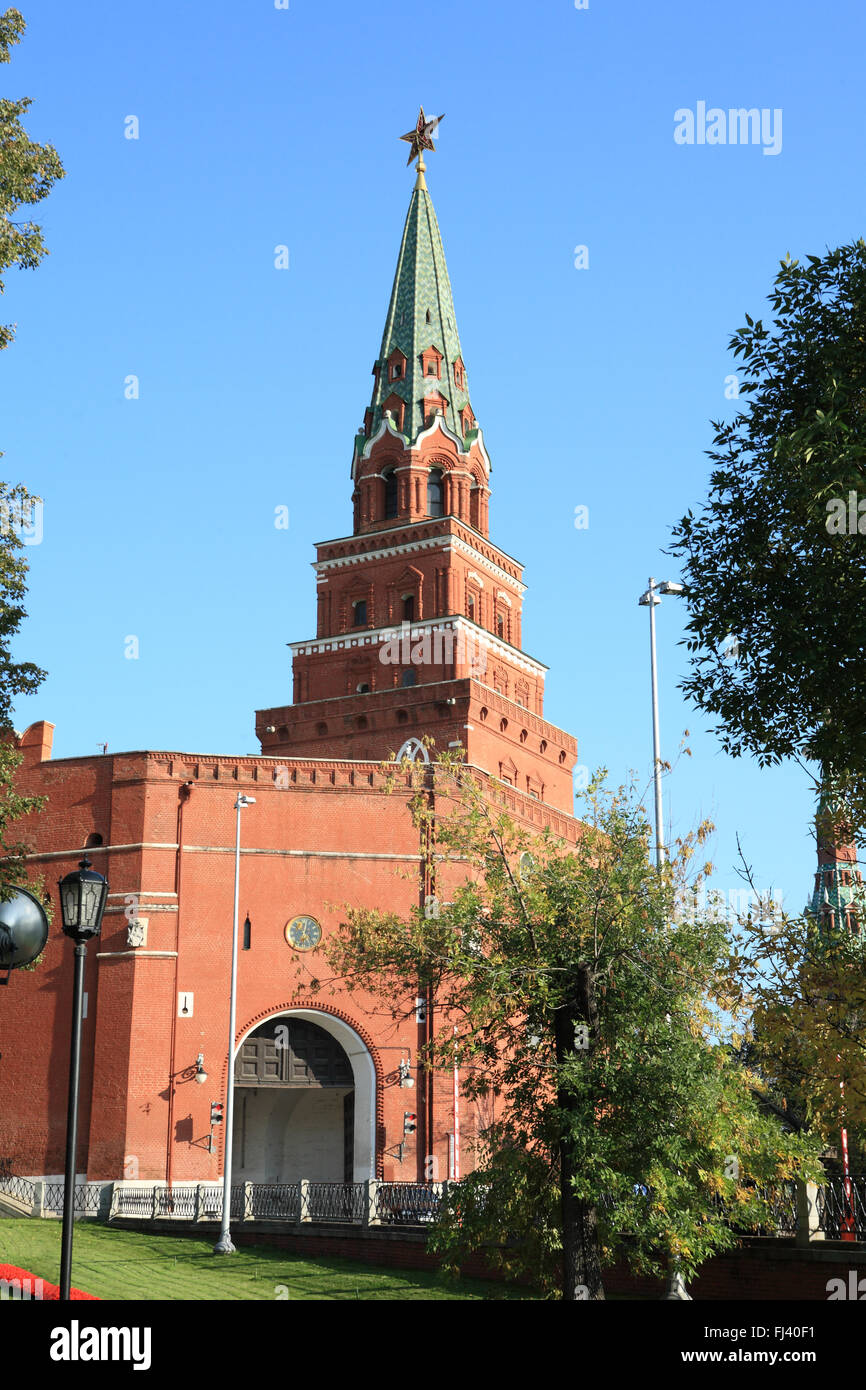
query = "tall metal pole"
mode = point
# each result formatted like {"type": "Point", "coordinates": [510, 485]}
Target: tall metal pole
{"type": "Point", "coordinates": [676, 1290]}
{"type": "Point", "coordinates": [72, 1122]}
{"type": "Point", "coordinates": [657, 763]}
{"type": "Point", "coordinates": [225, 1245]}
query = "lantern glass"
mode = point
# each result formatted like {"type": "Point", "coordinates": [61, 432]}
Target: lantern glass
{"type": "Point", "coordinates": [82, 901]}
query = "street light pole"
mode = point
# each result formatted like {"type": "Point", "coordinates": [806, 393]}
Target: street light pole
{"type": "Point", "coordinates": [82, 903]}
{"type": "Point", "coordinates": [676, 1290]}
{"type": "Point", "coordinates": [72, 1121]}
{"type": "Point", "coordinates": [657, 760]}
{"type": "Point", "coordinates": [650, 600]}
{"type": "Point", "coordinates": [224, 1245]}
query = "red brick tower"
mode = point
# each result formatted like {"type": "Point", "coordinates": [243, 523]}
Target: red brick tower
{"type": "Point", "coordinates": [419, 613]}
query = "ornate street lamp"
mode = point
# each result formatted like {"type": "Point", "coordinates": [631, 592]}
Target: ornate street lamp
{"type": "Point", "coordinates": [82, 903]}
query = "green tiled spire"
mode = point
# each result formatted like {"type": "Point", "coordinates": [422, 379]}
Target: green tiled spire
{"type": "Point", "coordinates": [420, 315]}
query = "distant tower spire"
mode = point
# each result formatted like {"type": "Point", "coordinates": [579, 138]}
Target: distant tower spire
{"type": "Point", "coordinates": [837, 900]}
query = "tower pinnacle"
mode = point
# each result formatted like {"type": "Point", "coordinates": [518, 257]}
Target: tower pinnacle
{"type": "Point", "coordinates": [421, 138]}
{"type": "Point", "coordinates": [420, 373]}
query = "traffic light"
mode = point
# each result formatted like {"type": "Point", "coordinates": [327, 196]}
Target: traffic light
{"type": "Point", "coordinates": [409, 1122]}
{"type": "Point", "coordinates": [216, 1112]}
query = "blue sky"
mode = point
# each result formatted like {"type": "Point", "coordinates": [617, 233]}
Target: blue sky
{"type": "Point", "coordinates": [261, 126]}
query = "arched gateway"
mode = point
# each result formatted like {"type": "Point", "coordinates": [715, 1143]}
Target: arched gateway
{"type": "Point", "coordinates": [305, 1101]}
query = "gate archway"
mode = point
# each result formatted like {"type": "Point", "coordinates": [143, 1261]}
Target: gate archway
{"type": "Point", "coordinates": [305, 1101]}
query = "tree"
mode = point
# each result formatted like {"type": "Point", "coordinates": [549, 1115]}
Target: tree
{"type": "Point", "coordinates": [27, 173]}
{"type": "Point", "coordinates": [564, 987]}
{"type": "Point", "coordinates": [776, 558]}
{"type": "Point", "coordinates": [805, 986]}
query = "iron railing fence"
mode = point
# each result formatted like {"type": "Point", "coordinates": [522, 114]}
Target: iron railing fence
{"type": "Point", "coordinates": [274, 1201]}
{"type": "Point", "coordinates": [88, 1198]}
{"type": "Point", "coordinates": [407, 1203]}
{"type": "Point", "coordinates": [336, 1201]}
{"type": "Point", "coordinates": [20, 1189]}
{"type": "Point", "coordinates": [842, 1207]}
{"type": "Point", "coordinates": [840, 1213]}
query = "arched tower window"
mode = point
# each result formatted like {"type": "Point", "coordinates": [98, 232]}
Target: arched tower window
{"type": "Point", "coordinates": [390, 494]}
{"type": "Point", "coordinates": [434, 492]}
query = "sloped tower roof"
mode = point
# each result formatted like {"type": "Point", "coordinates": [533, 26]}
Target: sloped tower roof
{"type": "Point", "coordinates": [420, 316]}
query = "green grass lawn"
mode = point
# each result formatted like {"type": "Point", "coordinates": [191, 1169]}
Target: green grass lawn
{"type": "Point", "coordinates": [132, 1266]}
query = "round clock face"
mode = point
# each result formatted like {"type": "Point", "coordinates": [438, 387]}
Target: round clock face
{"type": "Point", "coordinates": [304, 933]}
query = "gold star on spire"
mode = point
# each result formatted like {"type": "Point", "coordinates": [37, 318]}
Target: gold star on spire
{"type": "Point", "coordinates": [420, 138]}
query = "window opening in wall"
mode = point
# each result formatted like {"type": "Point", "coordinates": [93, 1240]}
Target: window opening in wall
{"type": "Point", "coordinates": [434, 492]}
{"type": "Point", "coordinates": [409, 608]}
{"type": "Point", "coordinates": [390, 494]}
{"type": "Point", "coordinates": [359, 613]}
{"type": "Point", "coordinates": [410, 677]}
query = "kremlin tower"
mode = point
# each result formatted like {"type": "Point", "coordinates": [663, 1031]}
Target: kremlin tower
{"type": "Point", "coordinates": [418, 637]}
{"type": "Point", "coordinates": [418, 627]}
{"type": "Point", "coordinates": [837, 897]}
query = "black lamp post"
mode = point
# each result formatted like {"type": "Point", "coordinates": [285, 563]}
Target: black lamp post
{"type": "Point", "coordinates": [82, 903]}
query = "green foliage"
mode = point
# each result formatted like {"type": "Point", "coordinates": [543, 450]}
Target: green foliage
{"type": "Point", "coordinates": [654, 1109]}
{"type": "Point", "coordinates": [27, 173]}
{"type": "Point", "coordinates": [806, 989]}
{"type": "Point", "coordinates": [760, 562]}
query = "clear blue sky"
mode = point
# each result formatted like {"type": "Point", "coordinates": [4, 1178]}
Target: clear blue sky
{"type": "Point", "coordinates": [261, 126]}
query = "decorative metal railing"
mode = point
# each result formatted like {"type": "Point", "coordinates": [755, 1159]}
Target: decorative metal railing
{"type": "Point", "coordinates": [835, 1211]}
{"type": "Point", "coordinates": [274, 1202]}
{"type": "Point", "coordinates": [842, 1208]}
{"type": "Point", "coordinates": [19, 1189]}
{"type": "Point", "coordinates": [407, 1203]}
{"type": "Point", "coordinates": [336, 1201]}
{"type": "Point", "coordinates": [88, 1198]}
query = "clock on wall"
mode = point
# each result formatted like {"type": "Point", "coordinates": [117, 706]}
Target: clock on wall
{"type": "Point", "coordinates": [304, 933]}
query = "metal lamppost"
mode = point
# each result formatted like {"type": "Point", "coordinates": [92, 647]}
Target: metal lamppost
{"type": "Point", "coordinates": [649, 600]}
{"type": "Point", "coordinates": [224, 1245]}
{"type": "Point", "coordinates": [82, 903]}
{"type": "Point", "coordinates": [676, 1286]}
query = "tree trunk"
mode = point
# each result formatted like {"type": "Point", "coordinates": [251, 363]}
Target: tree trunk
{"type": "Point", "coordinates": [581, 1266]}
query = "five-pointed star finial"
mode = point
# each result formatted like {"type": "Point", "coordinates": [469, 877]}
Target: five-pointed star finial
{"type": "Point", "coordinates": [420, 138]}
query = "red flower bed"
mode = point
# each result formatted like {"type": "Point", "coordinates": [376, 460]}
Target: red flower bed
{"type": "Point", "coordinates": [38, 1287]}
